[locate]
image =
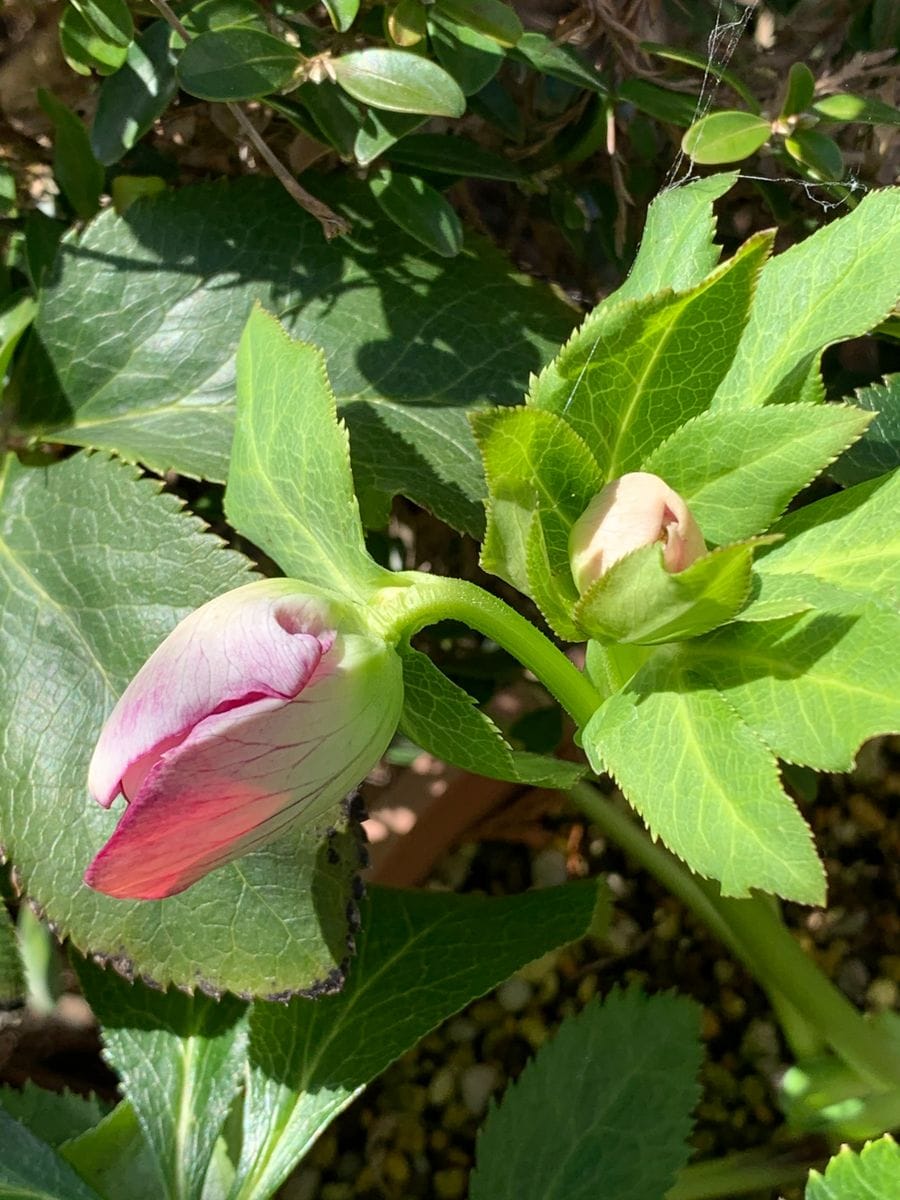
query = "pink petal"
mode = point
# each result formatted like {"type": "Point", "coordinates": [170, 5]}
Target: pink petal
{"type": "Point", "coordinates": [243, 777]}
{"type": "Point", "coordinates": [262, 640]}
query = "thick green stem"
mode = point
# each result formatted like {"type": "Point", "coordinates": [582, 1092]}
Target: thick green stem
{"type": "Point", "coordinates": [756, 934]}
{"type": "Point", "coordinates": [407, 610]}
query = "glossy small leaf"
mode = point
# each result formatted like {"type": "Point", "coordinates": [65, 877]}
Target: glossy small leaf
{"type": "Point", "coordinates": [867, 110]}
{"type": "Point", "coordinates": [399, 81]}
{"type": "Point", "coordinates": [801, 87]}
{"type": "Point", "coordinates": [709, 65]}
{"type": "Point", "coordinates": [817, 152]}
{"type": "Point", "coordinates": [84, 49]}
{"type": "Point", "coordinates": [559, 61]}
{"type": "Point", "coordinates": [236, 63]}
{"type": "Point", "coordinates": [493, 18]}
{"type": "Point", "coordinates": [77, 171]}
{"type": "Point", "coordinates": [379, 130]}
{"type": "Point", "coordinates": [337, 117]}
{"type": "Point", "coordinates": [110, 19]}
{"type": "Point", "coordinates": [406, 23]}
{"type": "Point", "coordinates": [470, 57]}
{"type": "Point", "coordinates": [724, 137]}
{"type": "Point", "coordinates": [342, 13]}
{"type": "Point", "coordinates": [444, 154]}
{"type": "Point", "coordinates": [420, 210]}
{"type": "Point", "coordinates": [210, 15]}
{"type": "Point", "coordinates": [132, 98]}
{"type": "Point", "coordinates": [658, 102]}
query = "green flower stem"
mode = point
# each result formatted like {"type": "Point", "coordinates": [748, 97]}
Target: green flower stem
{"type": "Point", "coordinates": [429, 600]}
{"type": "Point", "coordinates": [754, 932]}
{"type": "Point", "coordinates": [738, 1174]}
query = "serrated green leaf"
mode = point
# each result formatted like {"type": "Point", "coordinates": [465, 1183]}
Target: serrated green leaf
{"type": "Point", "coordinates": [54, 1117]}
{"type": "Point", "coordinates": [738, 470]}
{"type": "Point", "coordinates": [399, 81]}
{"type": "Point", "coordinates": [421, 957]}
{"type": "Point", "coordinates": [114, 1157]}
{"type": "Point", "coordinates": [820, 154]}
{"type": "Point", "coordinates": [815, 686]}
{"type": "Point", "coordinates": [420, 210]}
{"type": "Point", "coordinates": [32, 1170]}
{"type": "Point", "coordinates": [878, 451]}
{"type": "Point", "coordinates": [236, 63]}
{"type": "Point", "coordinates": [342, 13]}
{"type": "Point", "coordinates": [290, 489]}
{"type": "Point", "coordinates": [493, 18]}
{"type": "Point", "coordinates": [77, 172]}
{"type": "Point", "coordinates": [445, 154]}
{"type": "Point", "coordinates": [442, 719]}
{"type": "Point", "coordinates": [868, 110]}
{"type": "Point", "coordinates": [148, 388]}
{"type": "Point", "coordinates": [639, 601]}
{"type": "Point", "coordinates": [677, 249]}
{"type": "Point", "coordinates": [96, 568]}
{"type": "Point", "coordinates": [871, 1174]}
{"type": "Point", "coordinates": [710, 788]}
{"type": "Point", "coordinates": [849, 543]}
{"type": "Point", "coordinates": [549, 573]}
{"type": "Point", "coordinates": [837, 284]}
{"type": "Point", "coordinates": [110, 19]}
{"type": "Point", "coordinates": [132, 99]}
{"type": "Point", "coordinates": [725, 137]}
{"type": "Point", "coordinates": [605, 1069]}
{"type": "Point", "coordinates": [558, 60]}
{"type": "Point", "coordinates": [470, 57]}
{"type": "Point", "coordinates": [801, 87]}
{"type": "Point", "coordinates": [532, 460]}
{"type": "Point", "coordinates": [635, 371]}
{"type": "Point", "coordinates": [179, 1059]}
{"type": "Point", "coordinates": [84, 49]}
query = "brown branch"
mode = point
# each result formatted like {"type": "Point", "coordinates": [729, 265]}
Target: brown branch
{"type": "Point", "coordinates": [332, 224]}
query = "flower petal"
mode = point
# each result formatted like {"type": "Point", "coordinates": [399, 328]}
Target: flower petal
{"type": "Point", "coordinates": [243, 777]}
{"type": "Point", "coordinates": [262, 640]}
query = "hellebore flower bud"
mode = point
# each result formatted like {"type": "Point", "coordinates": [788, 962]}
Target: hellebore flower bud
{"type": "Point", "coordinates": [629, 513]}
{"type": "Point", "coordinates": [262, 708]}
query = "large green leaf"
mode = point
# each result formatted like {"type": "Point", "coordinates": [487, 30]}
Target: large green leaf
{"type": "Point", "coordinates": [737, 470]}
{"type": "Point", "coordinates": [837, 284]}
{"type": "Point", "coordinates": [636, 371]}
{"type": "Point", "coordinates": [422, 956]}
{"type": "Point", "coordinates": [96, 568]}
{"type": "Point", "coordinates": [710, 787]}
{"type": "Point", "coordinates": [605, 1070]}
{"type": "Point", "coordinates": [411, 342]}
{"type": "Point", "coordinates": [32, 1170]}
{"type": "Point", "coordinates": [290, 489]}
{"type": "Point", "coordinates": [442, 719]}
{"type": "Point", "coordinates": [179, 1059]}
{"type": "Point", "coordinates": [873, 1173]}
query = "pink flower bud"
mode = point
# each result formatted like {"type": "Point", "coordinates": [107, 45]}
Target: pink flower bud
{"type": "Point", "coordinates": [262, 708]}
{"type": "Point", "coordinates": [629, 513]}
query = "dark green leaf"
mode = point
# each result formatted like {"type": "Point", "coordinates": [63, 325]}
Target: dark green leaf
{"type": "Point", "coordinates": [132, 99]}
{"type": "Point", "coordinates": [110, 19]}
{"type": "Point", "coordinates": [558, 61]}
{"type": "Point", "coordinates": [470, 57]}
{"type": "Point", "coordinates": [55, 1117]}
{"type": "Point", "coordinates": [236, 63]}
{"type": "Point", "coordinates": [342, 13]}
{"type": "Point", "coordinates": [442, 719]}
{"type": "Point", "coordinates": [661, 103]}
{"type": "Point", "coordinates": [420, 210]}
{"type": "Point", "coordinates": [77, 171]}
{"type": "Point", "coordinates": [337, 117]}
{"type": "Point", "coordinates": [399, 81]}
{"type": "Point", "coordinates": [724, 137]}
{"type": "Point", "coordinates": [801, 87]}
{"type": "Point", "coordinates": [84, 49]}
{"type": "Point", "coordinates": [406, 23]}
{"type": "Point", "coordinates": [868, 110]}
{"type": "Point", "coordinates": [97, 567]}
{"type": "Point", "coordinates": [605, 1069]}
{"type": "Point", "coordinates": [444, 154]}
{"type": "Point", "coordinates": [493, 18]}
{"type": "Point", "coordinates": [178, 1059]}
{"type": "Point", "coordinates": [31, 1170]}
{"type": "Point", "coordinates": [708, 65]}
{"type": "Point", "coordinates": [209, 15]}
{"type": "Point", "coordinates": [878, 450]}
{"type": "Point", "coordinates": [381, 130]}
{"type": "Point", "coordinates": [150, 390]}
{"type": "Point", "coordinates": [820, 154]}
{"type": "Point", "coordinates": [422, 956]}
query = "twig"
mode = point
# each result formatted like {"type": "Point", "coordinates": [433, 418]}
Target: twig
{"type": "Point", "coordinates": [332, 224]}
